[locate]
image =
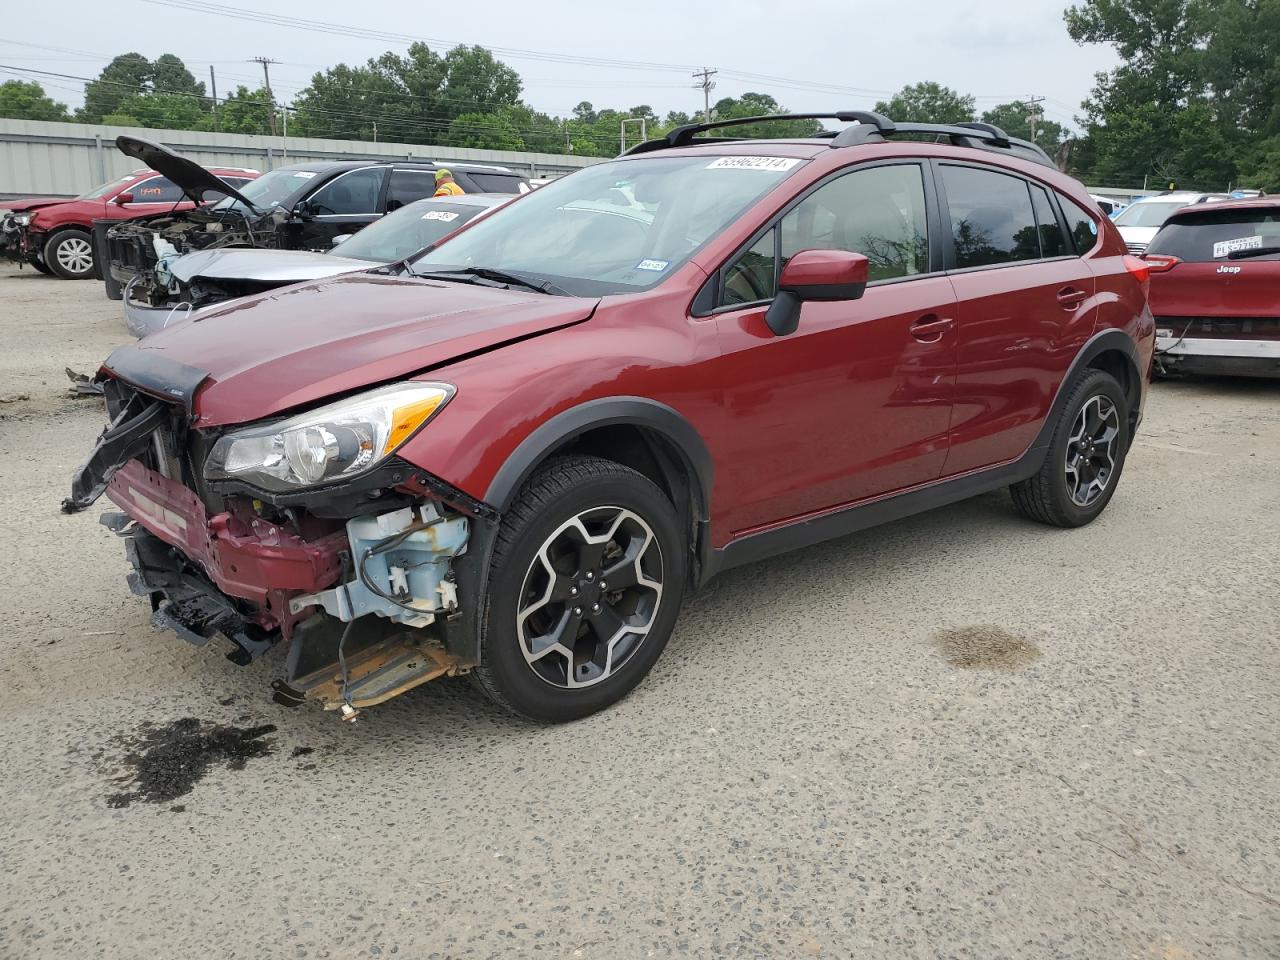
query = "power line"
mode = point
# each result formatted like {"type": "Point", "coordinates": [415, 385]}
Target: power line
{"type": "Point", "coordinates": [266, 82]}
{"type": "Point", "coordinates": [706, 85]}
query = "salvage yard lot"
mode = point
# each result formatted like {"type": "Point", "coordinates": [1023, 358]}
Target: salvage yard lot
{"type": "Point", "coordinates": [960, 735]}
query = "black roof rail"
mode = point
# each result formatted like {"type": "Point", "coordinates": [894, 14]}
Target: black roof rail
{"type": "Point", "coordinates": [683, 136]}
{"type": "Point", "coordinates": [868, 128]}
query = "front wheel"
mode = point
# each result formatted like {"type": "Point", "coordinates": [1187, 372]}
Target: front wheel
{"type": "Point", "coordinates": [584, 589]}
{"type": "Point", "coordinates": [1086, 454]}
{"type": "Point", "coordinates": [69, 254]}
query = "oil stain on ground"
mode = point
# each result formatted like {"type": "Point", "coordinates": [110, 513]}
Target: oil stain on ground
{"type": "Point", "coordinates": [985, 647]}
{"type": "Point", "coordinates": [166, 762]}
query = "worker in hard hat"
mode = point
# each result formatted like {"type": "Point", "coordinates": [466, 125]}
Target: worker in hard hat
{"type": "Point", "coordinates": [445, 187]}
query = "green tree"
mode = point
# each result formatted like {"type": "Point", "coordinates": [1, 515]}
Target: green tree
{"type": "Point", "coordinates": [245, 111]}
{"type": "Point", "coordinates": [758, 105]}
{"type": "Point", "coordinates": [412, 98]}
{"type": "Point", "coordinates": [131, 75]}
{"type": "Point", "coordinates": [488, 131]}
{"type": "Point", "coordinates": [27, 101]}
{"type": "Point", "coordinates": [1012, 118]}
{"type": "Point", "coordinates": [159, 110]}
{"type": "Point", "coordinates": [928, 102]}
{"type": "Point", "coordinates": [1194, 101]}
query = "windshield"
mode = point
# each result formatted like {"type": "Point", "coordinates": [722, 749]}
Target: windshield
{"type": "Point", "coordinates": [97, 193]}
{"type": "Point", "coordinates": [1147, 214]}
{"type": "Point", "coordinates": [408, 230]}
{"type": "Point", "coordinates": [1215, 235]}
{"type": "Point", "coordinates": [614, 227]}
{"type": "Point", "coordinates": [275, 189]}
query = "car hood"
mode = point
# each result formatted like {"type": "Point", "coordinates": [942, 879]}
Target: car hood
{"type": "Point", "coordinates": [19, 206]}
{"type": "Point", "coordinates": [266, 266]}
{"type": "Point", "coordinates": [294, 346]}
{"type": "Point", "coordinates": [194, 179]}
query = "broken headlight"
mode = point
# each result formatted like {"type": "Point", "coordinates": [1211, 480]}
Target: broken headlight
{"type": "Point", "coordinates": [22, 219]}
{"type": "Point", "coordinates": [331, 443]}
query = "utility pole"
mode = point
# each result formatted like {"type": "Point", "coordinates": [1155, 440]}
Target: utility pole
{"type": "Point", "coordinates": [706, 85]}
{"type": "Point", "coordinates": [622, 129]}
{"type": "Point", "coordinates": [1033, 114]}
{"type": "Point", "coordinates": [375, 131]}
{"type": "Point", "coordinates": [213, 88]}
{"type": "Point", "coordinates": [266, 80]}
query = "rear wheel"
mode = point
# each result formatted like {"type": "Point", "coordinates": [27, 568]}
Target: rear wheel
{"type": "Point", "coordinates": [584, 590]}
{"type": "Point", "coordinates": [69, 254]}
{"type": "Point", "coordinates": [1086, 454]}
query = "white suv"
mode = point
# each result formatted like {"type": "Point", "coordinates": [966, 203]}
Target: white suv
{"type": "Point", "coordinates": [1139, 221]}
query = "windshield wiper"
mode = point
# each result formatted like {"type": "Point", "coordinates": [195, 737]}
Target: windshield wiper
{"type": "Point", "coordinates": [498, 276]}
{"type": "Point", "coordinates": [1254, 252]}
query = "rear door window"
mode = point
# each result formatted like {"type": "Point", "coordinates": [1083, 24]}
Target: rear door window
{"type": "Point", "coordinates": [1082, 227]}
{"type": "Point", "coordinates": [408, 186]}
{"type": "Point", "coordinates": [1212, 236]}
{"type": "Point", "coordinates": [350, 193]}
{"type": "Point", "coordinates": [992, 222]}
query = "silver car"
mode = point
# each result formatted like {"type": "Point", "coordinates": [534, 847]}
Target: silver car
{"type": "Point", "coordinates": [201, 279]}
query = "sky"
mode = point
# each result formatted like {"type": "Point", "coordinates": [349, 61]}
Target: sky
{"type": "Point", "coordinates": [811, 55]}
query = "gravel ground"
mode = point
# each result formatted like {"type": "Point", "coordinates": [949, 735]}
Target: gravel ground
{"type": "Point", "coordinates": [961, 735]}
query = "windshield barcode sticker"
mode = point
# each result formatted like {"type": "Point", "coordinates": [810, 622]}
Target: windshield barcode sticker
{"type": "Point", "coordinates": [303, 174]}
{"type": "Point", "coordinates": [1224, 247]}
{"type": "Point", "coordinates": [779, 164]}
{"type": "Point", "coordinates": [444, 215]}
{"type": "Point", "coordinates": [658, 265]}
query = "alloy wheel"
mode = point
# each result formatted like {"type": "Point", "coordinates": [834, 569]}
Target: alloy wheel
{"type": "Point", "coordinates": [75, 255]}
{"type": "Point", "coordinates": [590, 597]}
{"type": "Point", "coordinates": [1091, 451]}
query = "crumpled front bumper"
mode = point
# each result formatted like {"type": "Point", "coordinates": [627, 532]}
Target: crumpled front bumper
{"type": "Point", "coordinates": [247, 559]}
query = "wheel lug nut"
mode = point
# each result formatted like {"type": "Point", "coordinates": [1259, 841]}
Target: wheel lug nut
{"type": "Point", "coordinates": [603, 585]}
{"type": "Point", "coordinates": [573, 591]}
{"type": "Point", "coordinates": [577, 611]}
{"type": "Point", "coordinates": [595, 608]}
{"type": "Point", "coordinates": [590, 576]}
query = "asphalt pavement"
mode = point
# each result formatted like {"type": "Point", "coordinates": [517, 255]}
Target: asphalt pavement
{"type": "Point", "coordinates": [960, 735]}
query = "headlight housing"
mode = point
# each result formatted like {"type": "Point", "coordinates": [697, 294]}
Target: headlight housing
{"type": "Point", "coordinates": [329, 444]}
{"type": "Point", "coordinates": [22, 219]}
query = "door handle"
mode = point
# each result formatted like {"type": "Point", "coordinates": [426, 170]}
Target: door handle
{"type": "Point", "coordinates": [1070, 297]}
{"type": "Point", "coordinates": [931, 327]}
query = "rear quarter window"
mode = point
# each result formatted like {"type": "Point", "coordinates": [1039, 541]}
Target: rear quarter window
{"type": "Point", "coordinates": [1082, 227]}
{"type": "Point", "coordinates": [1209, 236]}
{"type": "Point", "coordinates": [495, 182]}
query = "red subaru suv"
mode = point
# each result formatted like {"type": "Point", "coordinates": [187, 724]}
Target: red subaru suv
{"type": "Point", "coordinates": [1215, 290]}
{"type": "Point", "coordinates": [516, 454]}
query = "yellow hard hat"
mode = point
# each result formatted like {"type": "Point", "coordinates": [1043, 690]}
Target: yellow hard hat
{"type": "Point", "coordinates": [442, 173]}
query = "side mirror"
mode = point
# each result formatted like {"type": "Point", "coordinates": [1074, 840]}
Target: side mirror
{"type": "Point", "coordinates": [340, 238]}
{"type": "Point", "coordinates": [815, 275]}
{"type": "Point", "coordinates": [304, 210]}
{"type": "Point", "coordinates": [121, 199]}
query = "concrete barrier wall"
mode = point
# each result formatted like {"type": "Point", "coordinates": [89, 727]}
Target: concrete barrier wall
{"type": "Point", "coordinates": [38, 158]}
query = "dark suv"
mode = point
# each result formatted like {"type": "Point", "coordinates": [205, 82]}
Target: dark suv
{"type": "Point", "coordinates": [299, 207]}
{"type": "Point", "coordinates": [516, 459]}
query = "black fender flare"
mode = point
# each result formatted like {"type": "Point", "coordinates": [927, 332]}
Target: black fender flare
{"type": "Point", "coordinates": [1101, 342]}
{"type": "Point", "coordinates": [604, 412]}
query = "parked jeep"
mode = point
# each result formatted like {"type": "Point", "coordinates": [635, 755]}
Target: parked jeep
{"type": "Point", "coordinates": [299, 207]}
{"type": "Point", "coordinates": [517, 462]}
{"type": "Point", "coordinates": [54, 235]}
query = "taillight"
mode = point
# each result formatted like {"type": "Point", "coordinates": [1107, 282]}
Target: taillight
{"type": "Point", "coordinates": [1160, 263]}
{"type": "Point", "coordinates": [1140, 270]}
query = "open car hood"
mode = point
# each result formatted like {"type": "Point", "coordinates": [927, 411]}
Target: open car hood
{"type": "Point", "coordinates": [277, 267]}
{"type": "Point", "coordinates": [21, 206]}
{"type": "Point", "coordinates": [194, 179]}
{"type": "Point", "coordinates": [294, 346]}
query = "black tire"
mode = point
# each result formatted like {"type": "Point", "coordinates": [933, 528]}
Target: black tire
{"type": "Point", "coordinates": [565, 488]}
{"type": "Point", "coordinates": [1048, 496]}
{"type": "Point", "coordinates": [69, 254]}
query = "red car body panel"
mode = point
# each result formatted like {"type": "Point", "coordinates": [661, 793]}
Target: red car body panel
{"type": "Point", "coordinates": [852, 407]}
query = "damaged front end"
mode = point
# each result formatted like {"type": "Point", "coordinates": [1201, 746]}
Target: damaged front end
{"type": "Point", "coordinates": [140, 253]}
{"type": "Point", "coordinates": [365, 581]}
